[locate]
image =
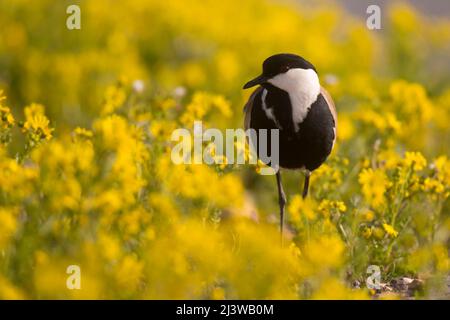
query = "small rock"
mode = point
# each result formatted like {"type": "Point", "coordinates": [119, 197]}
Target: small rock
{"type": "Point", "coordinates": [356, 284]}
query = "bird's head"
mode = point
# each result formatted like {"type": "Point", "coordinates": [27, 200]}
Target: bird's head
{"type": "Point", "coordinates": [287, 72]}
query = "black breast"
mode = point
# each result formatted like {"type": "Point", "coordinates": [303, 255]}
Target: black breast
{"type": "Point", "coordinates": [310, 145]}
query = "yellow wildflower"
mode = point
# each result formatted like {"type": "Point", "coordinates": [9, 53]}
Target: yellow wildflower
{"type": "Point", "coordinates": [415, 160]}
{"type": "Point", "coordinates": [201, 104]}
{"type": "Point", "coordinates": [299, 208]}
{"type": "Point", "coordinates": [33, 110]}
{"type": "Point", "coordinates": [378, 233]}
{"type": "Point", "coordinates": [82, 132]}
{"type": "Point", "coordinates": [6, 117]}
{"type": "Point", "coordinates": [128, 272]}
{"type": "Point", "coordinates": [390, 230]}
{"type": "Point", "coordinates": [374, 184]}
{"type": "Point", "coordinates": [434, 185]}
{"type": "Point", "coordinates": [315, 249]}
{"type": "Point", "coordinates": [368, 215]}
{"type": "Point", "coordinates": [6, 122]}
{"type": "Point", "coordinates": [115, 96]}
{"type": "Point", "coordinates": [392, 122]}
{"type": "Point", "coordinates": [327, 207]}
{"type": "Point", "coordinates": [109, 246]}
{"type": "Point", "coordinates": [442, 165]}
{"type": "Point", "coordinates": [367, 232]}
{"type": "Point", "coordinates": [37, 124]}
{"type": "Point", "coordinates": [8, 226]}
{"type": "Point", "coordinates": [389, 158]}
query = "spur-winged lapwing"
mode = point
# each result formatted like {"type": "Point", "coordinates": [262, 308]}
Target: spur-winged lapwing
{"type": "Point", "coordinates": [291, 99]}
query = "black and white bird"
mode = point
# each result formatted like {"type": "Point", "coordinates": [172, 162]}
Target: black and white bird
{"type": "Point", "coordinates": [291, 99]}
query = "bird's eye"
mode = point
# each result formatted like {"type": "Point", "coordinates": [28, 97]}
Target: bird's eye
{"type": "Point", "coordinates": [285, 68]}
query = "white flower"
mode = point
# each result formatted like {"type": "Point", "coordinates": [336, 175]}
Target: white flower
{"type": "Point", "coordinates": [138, 86]}
{"type": "Point", "coordinates": [179, 92]}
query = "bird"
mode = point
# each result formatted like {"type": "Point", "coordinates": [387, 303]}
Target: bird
{"type": "Point", "coordinates": [291, 99]}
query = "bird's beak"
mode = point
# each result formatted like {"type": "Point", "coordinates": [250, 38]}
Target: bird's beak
{"type": "Point", "coordinates": [258, 80]}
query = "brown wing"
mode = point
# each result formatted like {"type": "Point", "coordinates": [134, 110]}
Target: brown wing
{"type": "Point", "coordinates": [248, 107]}
{"type": "Point", "coordinates": [331, 105]}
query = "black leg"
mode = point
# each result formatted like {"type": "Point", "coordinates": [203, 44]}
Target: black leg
{"type": "Point", "coordinates": [282, 203]}
{"type": "Point", "coordinates": [306, 185]}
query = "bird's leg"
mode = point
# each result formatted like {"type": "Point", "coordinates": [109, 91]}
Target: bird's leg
{"type": "Point", "coordinates": [306, 185]}
{"type": "Point", "coordinates": [282, 203]}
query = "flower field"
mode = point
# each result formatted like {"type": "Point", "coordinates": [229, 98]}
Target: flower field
{"type": "Point", "coordinates": [86, 176]}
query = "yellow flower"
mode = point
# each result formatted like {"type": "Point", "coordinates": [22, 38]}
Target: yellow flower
{"type": "Point", "coordinates": [434, 185]}
{"type": "Point", "coordinates": [413, 99]}
{"type": "Point", "coordinates": [374, 184]}
{"type": "Point", "coordinates": [37, 124]}
{"type": "Point", "coordinates": [115, 96]}
{"type": "Point", "coordinates": [6, 117]}
{"type": "Point", "coordinates": [367, 232]}
{"type": "Point", "coordinates": [327, 207]}
{"type": "Point", "coordinates": [390, 230]}
{"type": "Point", "coordinates": [16, 181]}
{"type": "Point", "coordinates": [8, 226]}
{"type": "Point", "coordinates": [128, 272]}
{"type": "Point", "coordinates": [441, 258]}
{"type": "Point", "coordinates": [33, 110]}
{"type": "Point", "coordinates": [167, 104]}
{"type": "Point", "coordinates": [203, 103]}
{"type": "Point", "coordinates": [415, 160]}
{"type": "Point", "coordinates": [314, 252]}
{"type": "Point", "coordinates": [389, 158]}
{"type": "Point", "coordinates": [442, 165]}
{"type": "Point", "coordinates": [392, 122]}
{"type": "Point", "coordinates": [130, 222]}
{"type": "Point", "coordinates": [109, 246]}
{"type": "Point", "coordinates": [162, 129]}
{"type": "Point", "coordinates": [82, 132]}
{"type": "Point", "coordinates": [368, 215]}
{"type": "Point", "coordinates": [299, 208]}
{"type": "Point", "coordinates": [435, 255]}
{"type": "Point", "coordinates": [222, 105]}
{"type": "Point", "coordinates": [378, 233]}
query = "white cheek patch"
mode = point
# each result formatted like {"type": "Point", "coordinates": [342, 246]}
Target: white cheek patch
{"type": "Point", "coordinates": [303, 87]}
